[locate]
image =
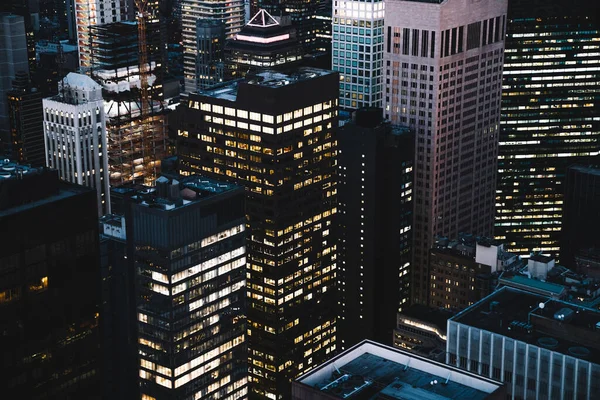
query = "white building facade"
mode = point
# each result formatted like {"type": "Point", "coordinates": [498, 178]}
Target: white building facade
{"type": "Point", "coordinates": [75, 136]}
{"type": "Point", "coordinates": [357, 52]}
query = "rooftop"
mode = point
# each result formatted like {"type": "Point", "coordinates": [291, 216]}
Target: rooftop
{"type": "Point", "coordinates": [538, 320]}
{"type": "Point", "coordinates": [371, 371]}
{"type": "Point", "coordinates": [271, 79]}
{"type": "Point", "coordinates": [171, 193]}
{"type": "Point", "coordinates": [540, 287]}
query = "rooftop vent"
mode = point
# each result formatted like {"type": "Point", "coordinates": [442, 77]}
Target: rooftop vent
{"type": "Point", "coordinates": [579, 352]}
{"type": "Point", "coordinates": [564, 314]}
{"type": "Point", "coordinates": [548, 342]}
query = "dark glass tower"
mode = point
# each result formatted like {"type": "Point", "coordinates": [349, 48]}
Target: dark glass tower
{"type": "Point", "coordinates": [376, 191]}
{"type": "Point", "coordinates": [26, 122]}
{"type": "Point", "coordinates": [49, 287]}
{"type": "Point", "coordinates": [550, 109]}
{"type": "Point", "coordinates": [275, 134]}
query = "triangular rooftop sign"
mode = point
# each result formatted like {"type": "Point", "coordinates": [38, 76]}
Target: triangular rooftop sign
{"type": "Point", "coordinates": [262, 19]}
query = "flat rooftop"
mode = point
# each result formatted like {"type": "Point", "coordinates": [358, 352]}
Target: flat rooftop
{"type": "Point", "coordinates": [271, 79]}
{"type": "Point", "coordinates": [370, 371]}
{"type": "Point", "coordinates": [517, 314]}
{"type": "Point", "coordinates": [173, 193]}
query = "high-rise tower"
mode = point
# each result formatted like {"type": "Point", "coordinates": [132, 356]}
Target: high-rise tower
{"type": "Point", "coordinates": [75, 136]}
{"type": "Point", "coordinates": [275, 134]}
{"type": "Point", "coordinates": [230, 13]}
{"type": "Point", "coordinates": [443, 72]}
{"type": "Point", "coordinates": [358, 52]}
{"type": "Point", "coordinates": [550, 116]}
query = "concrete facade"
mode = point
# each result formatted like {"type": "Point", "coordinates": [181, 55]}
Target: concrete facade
{"type": "Point", "coordinates": [443, 70]}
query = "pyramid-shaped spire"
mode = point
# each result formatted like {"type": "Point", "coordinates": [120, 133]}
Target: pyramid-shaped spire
{"type": "Point", "coordinates": [262, 19]}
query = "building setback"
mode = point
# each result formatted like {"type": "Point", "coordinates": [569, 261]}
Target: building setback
{"type": "Point", "coordinates": [49, 286]}
{"type": "Point", "coordinates": [186, 239]}
{"type": "Point", "coordinates": [358, 52]}
{"type": "Point", "coordinates": [541, 348]}
{"type": "Point", "coordinates": [550, 108]}
{"type": "Point", "coordinates": [443, 71]}
{"type": "Point", "coordinates": [75, 136]}
{"type": "Point", "coordinates": [375, 202]}
{"type": "Point", "coordinates": [275, 134]}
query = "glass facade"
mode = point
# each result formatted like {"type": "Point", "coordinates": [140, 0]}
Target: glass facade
{"type": "Point", "coordinates": [357, 52]}
{"type": "Point", "coordinates": [191, 293]}
{"type": "Point", "coordinates": [550, 118]}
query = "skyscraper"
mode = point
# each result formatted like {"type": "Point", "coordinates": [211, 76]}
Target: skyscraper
{"type": "Point", "coordinates": [187, 240]}
{"type": "Point", "coordinates": [443, 71]}
{"type": "Point", "coordinates": [75, 136]}
{"type": "Point", "coordinates": [276, 134]}
{"type": "Point", "coordinates": [13, 56]}
{"type": "Point", "coordinates": [550, 109]}
{"type": "Point", "coordinates": [303, 16]}
{"type": "Point", "coordinates": [210, 64]}
{"type": "Point", "coordinates": [230, 13]}
{"type": "Point", "coordinates": [358, 52]}
{"type": "Point", "coordinates": [49, 286]}
{"type": "Point", "coordinates": [89, 13]}
{"type": "Point", "coordinates": [263, 43]}
{"type": "Point", "coordinates": [26, 122]}
{"type": "Point", "coordinates": [375, 201]}
{"type": "Point", "coordinates": [136, 143]}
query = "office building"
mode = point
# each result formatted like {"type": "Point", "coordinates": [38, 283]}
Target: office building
{"type": "Point", "coordinates": [357, 52]}
{"type": "Point", "coordinates": [375, 219]}
{"type": "Point", "coordinates": [464, 270]}
{"type": "Point", "coordinates": [75, 136]}
{"type": "Point", "coordinates": [422, 330]}
{"type": "Point", "coordinates": [26, 122]}
{"type": "Point", "coordinates": [538, 346]}
{"type": "Point", "coordinates": [303, 17]}
{"type": "Point", "coordinates": [443, 72]}
{"type": "Point", "coordinates": [49, 286]}
{"type": "Point", "coordinates": [275, 134]}
{"type": "Point", "coordinates": [581, 216]}
{"type": "Point", "coordinates": [89, 13]}
{"type": "Point", "coordinates": [229, 13]}
{"type": "Point", "coordinates": [370, 370]}
{"type": "Point", "coordinates": [263, 43]}
{"type": "Point", "coordinates": [136, 142]}
{"type": "Point", "coordinates": [187, 241]}
{"type": "Point", "coordinates": [13, 53]}
{"type": "Point", "coordinates": [210, 64]}
{"type": "Point", "coordinates": [550, 108]}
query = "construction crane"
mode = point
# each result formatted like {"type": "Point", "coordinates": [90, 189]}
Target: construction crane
{"type": "Point", "coordinates": [144, 66]}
